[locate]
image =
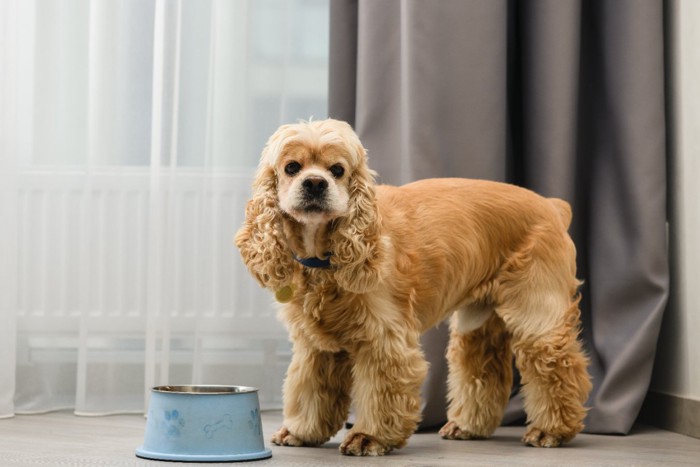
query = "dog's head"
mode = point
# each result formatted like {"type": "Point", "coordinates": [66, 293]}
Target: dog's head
{"type": "Point", "coordinates": [313, 173]}
{"type": "Point", "coordinates": [315, 165]}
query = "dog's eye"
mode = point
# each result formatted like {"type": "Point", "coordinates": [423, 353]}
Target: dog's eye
{"type": "Point", "coordinates": [337, 170]}
{"type": "Point", "coordinates": [292, 168]}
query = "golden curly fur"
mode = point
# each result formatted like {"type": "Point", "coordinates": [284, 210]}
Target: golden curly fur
{"type": "Point", "coordinates": [495, 257]}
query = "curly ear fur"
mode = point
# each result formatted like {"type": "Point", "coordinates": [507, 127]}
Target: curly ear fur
{"type": "Point", "coordinates": [356, 241]}
{"type": "Point", "coordinates": [260, 240]}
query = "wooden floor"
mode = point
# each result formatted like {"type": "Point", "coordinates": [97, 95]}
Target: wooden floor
{"type": "Point", "coordinates": [62, 439]}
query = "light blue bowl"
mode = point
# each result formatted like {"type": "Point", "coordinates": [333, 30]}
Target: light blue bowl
{"type": "Point", "coordinates": [204, 424]}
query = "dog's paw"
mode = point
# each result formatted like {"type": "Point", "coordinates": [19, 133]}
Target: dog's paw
{"type": "Point", "coordinates": [360, 444]}
{"type": "Point", "coordinates": [452, 431]}
{"type": "Point", "coordinates": [540, 439]}
{"type": "Point", "coordinates": [284, 438]}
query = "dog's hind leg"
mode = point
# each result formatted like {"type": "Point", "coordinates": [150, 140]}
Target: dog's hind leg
{"type": "Point", "coordinates": [480, 376]}
{"type": "Point", "coordinates": [555, 381]}
{"type": "Point", "coordinates": [316, 397]}
{"type": "Point", "coordinates": [539, 306]}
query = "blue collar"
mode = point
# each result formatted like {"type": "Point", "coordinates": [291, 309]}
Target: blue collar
{"type": "Point", "coordinates": [315, 262]}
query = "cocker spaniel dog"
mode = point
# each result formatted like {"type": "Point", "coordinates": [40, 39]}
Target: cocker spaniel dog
{"type": "Point", "coordinates": [364, 269]}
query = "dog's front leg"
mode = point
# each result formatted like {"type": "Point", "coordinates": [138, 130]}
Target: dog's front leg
{"type": "Point", "coordinates": [388, 374]}
{"type": "Point", "coordinates": [316, 396]}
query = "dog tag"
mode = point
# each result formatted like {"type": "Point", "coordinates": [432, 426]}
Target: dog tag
{"type": "Point", "coordinates": [285, 294]}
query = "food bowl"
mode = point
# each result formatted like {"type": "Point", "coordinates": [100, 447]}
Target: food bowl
{"type": "Point", "coordinates": [204, 424]}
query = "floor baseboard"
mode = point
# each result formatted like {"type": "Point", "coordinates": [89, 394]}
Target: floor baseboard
{"type": "Point", "coordinates": [671, 413]}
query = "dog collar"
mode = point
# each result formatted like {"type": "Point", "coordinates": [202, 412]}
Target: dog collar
{"type": "Point", "coordinates": [314, 262]}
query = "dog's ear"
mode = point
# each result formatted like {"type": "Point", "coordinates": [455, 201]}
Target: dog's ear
{"type": "Point", "coordinates": [356, 242]}
{"type": "Point", "coordinates": [261, 240]}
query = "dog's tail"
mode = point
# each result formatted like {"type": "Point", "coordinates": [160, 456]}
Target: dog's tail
{"type": "Point", "coordinates": [564, 210]}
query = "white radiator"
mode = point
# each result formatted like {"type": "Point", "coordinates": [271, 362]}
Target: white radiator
{"type": "Point", "coordinates": [129, 268]}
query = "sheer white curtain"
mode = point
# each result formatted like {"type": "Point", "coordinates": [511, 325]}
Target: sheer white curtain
{"type": "Point", "coordinates": [130, 131]}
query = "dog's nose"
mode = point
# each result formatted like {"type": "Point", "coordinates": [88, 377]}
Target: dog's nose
{"type": "Point", "coordinates": [315, 186]}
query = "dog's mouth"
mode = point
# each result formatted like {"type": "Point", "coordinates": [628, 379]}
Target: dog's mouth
{"type": "Point", "coordinates": [314, 208]}
{"type": "Point", "coordinates": [313, 212]}
{"type": "Point", "coordinates": [313, 205]}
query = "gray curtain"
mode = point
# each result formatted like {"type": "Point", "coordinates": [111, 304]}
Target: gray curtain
{"type": "Point", "coordinates": [563, 97]}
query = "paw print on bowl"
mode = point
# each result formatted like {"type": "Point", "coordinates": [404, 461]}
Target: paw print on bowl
{"type": "Point", "coordinates": [174, 423]}
{"type": "Point", "coordinates": [254, 422]}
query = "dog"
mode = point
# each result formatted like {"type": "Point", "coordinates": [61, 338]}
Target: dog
{"type": "Point", "coordinates": [364, 269]}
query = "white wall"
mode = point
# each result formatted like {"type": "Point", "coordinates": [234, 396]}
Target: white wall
{"type": "Point", "coordinates": [677, 368]}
